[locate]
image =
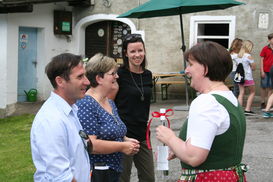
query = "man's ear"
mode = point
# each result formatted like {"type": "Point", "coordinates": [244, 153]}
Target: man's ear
{"type": "Point", "coordinates": [59, 81]}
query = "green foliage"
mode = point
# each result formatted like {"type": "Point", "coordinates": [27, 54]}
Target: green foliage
{"type": "Point", "coordinates": [15, 154]}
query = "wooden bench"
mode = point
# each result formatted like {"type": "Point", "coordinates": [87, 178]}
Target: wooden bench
{"type": "Point", "coordinates": [161, 79]}
{"type": "Point", "coordinates": [165, 85]}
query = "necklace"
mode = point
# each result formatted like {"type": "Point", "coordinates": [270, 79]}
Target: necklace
{"type": "Point", "coordinates": [116, 120]}
{"type": "Point", "coordinates": [140, 90]}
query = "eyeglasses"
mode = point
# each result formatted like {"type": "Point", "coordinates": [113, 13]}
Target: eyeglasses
{"type": "Point", "coordinates": [129, 37]}
{"type": "Point", "coordinates": [114, 73]}
{"type": "Point", "coordinates": [88, 145]}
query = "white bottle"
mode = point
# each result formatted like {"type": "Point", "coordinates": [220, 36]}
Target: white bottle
{"type": "Point", "coordinates": [163, 151]}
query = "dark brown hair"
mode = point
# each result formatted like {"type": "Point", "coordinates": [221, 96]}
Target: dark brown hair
{"type": "Point", "coordinates": [132, 38]}
{"type": "Point", "coordinates": [214, 57]}
{"type": "Point", "coordinates": [236, 45]}
{"type": "Point", "coordinates": [270, 36]}
{"type": "Point", "coordinates": [61, 65]}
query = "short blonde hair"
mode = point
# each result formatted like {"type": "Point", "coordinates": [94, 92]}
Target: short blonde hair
{"type": "Point", "coordinates": [246, 48]}
{"type": "Point", "coordinates": [99, 65]}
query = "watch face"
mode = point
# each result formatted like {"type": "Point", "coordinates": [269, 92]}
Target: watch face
{"type": "Point", "coordinates": [100, 32]}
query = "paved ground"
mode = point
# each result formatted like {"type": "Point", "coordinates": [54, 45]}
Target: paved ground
{"type": "Point", "coordinates": [258, 151]}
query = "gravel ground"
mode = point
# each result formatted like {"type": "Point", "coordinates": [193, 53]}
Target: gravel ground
{"type": "Point", "coordinates": [258, 150]}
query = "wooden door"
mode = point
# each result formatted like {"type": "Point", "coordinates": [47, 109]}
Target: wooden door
{"type": "Point", "coordinates": [105, 37]}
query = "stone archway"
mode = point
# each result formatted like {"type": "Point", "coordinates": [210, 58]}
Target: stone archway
{"type": "Point", "coordinates": [79, 35]}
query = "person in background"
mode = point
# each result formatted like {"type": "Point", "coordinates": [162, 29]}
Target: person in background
{"type": "Point", "coordinates": [249, 65]}
{"type": "Point", "coordinates": [100, 120]}
{"type": "Point", "coordinates": [265, 65]}
{"type": "Point", "coordinates": [58, 151]}
{"type": "Point", "coordinates": [133, 103]}
{"type": "Point", "coordinates": [211, 141]}
{"type": "Point", "coordinates": [269, 104]}
{"type": "Point", "coordinates": [234, 50]}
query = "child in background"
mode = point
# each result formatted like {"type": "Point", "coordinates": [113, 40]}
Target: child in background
{"type": "Point", "coordinates": [266, 63]}
{"type": "Point", "coordinates": [234, 50]}
{"type": "Point", "coordinates": [269, 104]}
{"type": "Point", "coordinates": [249, 65]}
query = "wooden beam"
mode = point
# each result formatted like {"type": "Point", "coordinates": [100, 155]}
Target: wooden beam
{"type": "Point", "coordinates": [16, 9]}
{"type": "Point", "coordinates": [16, 2]}
{"type": "Point", "coordinates": [16, 6]}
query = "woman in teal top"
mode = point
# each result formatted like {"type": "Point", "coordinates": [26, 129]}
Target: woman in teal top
{"type": "Point", "coordinates": [210, 144]}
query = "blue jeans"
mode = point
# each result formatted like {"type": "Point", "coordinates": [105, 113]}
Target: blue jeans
{"type": "Point", "coordinates": [271, 76]}
{"type": "Point", "coordinates": [266, 81]}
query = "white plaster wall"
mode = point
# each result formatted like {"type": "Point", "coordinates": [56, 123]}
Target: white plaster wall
{"type": "Point", "coordinates": [48, 46]}
{"type": "Point", "coordinates": [162, 37]}
{"type": "Point", "coordinates": [3, 61]}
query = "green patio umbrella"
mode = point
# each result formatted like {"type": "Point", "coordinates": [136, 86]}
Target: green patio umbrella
{"type": "Point", "coordinates": [157, 8]}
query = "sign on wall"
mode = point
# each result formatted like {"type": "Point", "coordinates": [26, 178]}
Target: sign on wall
{"type": "Point", "coordinates": [263, 20]}
{"type": "Point", "coordinates": [23, 40]}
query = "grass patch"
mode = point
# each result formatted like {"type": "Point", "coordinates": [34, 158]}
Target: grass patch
{"type": "Point", "coordinates": [15, 154]}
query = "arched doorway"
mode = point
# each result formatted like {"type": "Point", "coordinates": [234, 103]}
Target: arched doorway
{"type": "Point", "coordinates": [79, 37]}
{"type": "Point", "coordinates": [105, 37]}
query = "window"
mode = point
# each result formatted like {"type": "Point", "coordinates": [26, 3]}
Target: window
{"type": "Point", "coordinates": [220, 29]}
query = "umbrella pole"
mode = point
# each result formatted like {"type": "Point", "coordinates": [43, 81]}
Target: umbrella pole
{"type": "Point", "coordinates": [183, 48]}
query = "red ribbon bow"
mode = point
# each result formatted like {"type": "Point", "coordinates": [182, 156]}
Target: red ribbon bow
{"type": "Point", "coordinates": [156, 115]}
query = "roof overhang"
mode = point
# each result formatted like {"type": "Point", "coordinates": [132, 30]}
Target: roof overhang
{"type": "Point", "coordinates": [16, 6]}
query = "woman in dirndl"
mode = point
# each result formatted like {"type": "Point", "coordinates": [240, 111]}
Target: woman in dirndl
{"type": "Point", "coordinates": [211, 140]}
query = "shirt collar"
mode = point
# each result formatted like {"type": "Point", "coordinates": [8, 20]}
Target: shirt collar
{"type": "Point", "coordinates": [63, 105]}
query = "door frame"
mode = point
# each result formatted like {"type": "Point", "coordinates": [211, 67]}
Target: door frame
{"type": "Point", "coordinates": [33, 31]}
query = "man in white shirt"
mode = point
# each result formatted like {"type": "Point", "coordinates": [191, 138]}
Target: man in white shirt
{"type": "Point", "coordinates": [58, 151]}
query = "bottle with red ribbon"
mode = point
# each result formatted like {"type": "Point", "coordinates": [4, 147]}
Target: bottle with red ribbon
{"type": "Point", "coordinates": [162, 151]}
{"type": "Point", "coordinates": [155, 114]}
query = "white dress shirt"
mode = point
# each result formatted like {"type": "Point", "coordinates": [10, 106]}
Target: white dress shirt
{"type": "Point", "coordinates": [57, 149]}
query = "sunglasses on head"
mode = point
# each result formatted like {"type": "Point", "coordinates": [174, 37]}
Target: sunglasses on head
{"type": "Point", "coordinates": [131, 36]}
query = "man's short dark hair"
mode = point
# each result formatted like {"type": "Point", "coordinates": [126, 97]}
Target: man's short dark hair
{"type": "Point", "coordinates": [270, 36]}
{"type": "Point", "coordinates": [214, 57]}
{"type": "Point", "coordinates": [61, 65]}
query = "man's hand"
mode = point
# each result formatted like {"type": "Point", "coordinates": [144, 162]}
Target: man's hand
{"type": "Point", "coordinates": [262, 74]}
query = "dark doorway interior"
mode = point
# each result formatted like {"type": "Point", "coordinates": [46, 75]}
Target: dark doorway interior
{"type": "Point", "coordinates": [105, 37]}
